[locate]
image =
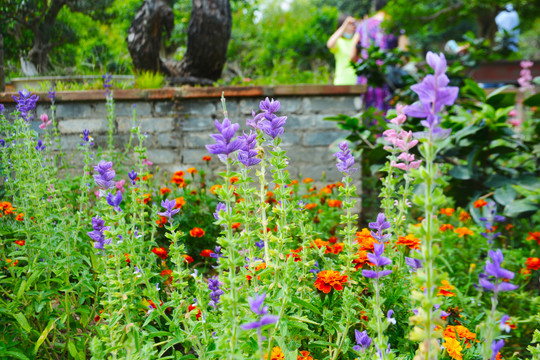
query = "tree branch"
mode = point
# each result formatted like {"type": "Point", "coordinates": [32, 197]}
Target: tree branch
{"type": "Point", "coordinates": [441, 12]}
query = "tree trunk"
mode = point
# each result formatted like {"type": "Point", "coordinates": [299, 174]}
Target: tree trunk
{"type": "Point", "coordinates": [485, 19]}
{"type": "Point", "coordinates": [145, 32]}
{"type": "Point", "coordinates": [209, 31]}
{"type": "Point", "coordinates": [2, 68]}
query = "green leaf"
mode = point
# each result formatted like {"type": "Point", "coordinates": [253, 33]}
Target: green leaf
{"type": "Point", "coordinates": [16, 354]}
{"type": "Point", "coordinates": [21, 319]}
{"type": "Point", "coordinates": [22, 287]}
{"type": "Point", "coordinates": [532, 100]}
{"type": "Point", "coordinates": [44, 334]}
{"type": "Point", "coordinates": [73, 350]}
{"type": "Point", "coordinates": [501, 100]}
{"type": "Point", "coordinates": [520, 207]}
{"type": "Point", "coordinates": [460, 172]}
{"type": "Point", "coordinates": [323, 343]}
{"type": "Point", "coordinates": [306, 305]}
{"type": "Point", "coordinates": [505, 195]}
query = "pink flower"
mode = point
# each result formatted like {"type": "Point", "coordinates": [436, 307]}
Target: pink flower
{"type": "Point", "coordinates": [44, 121]}
{"type": "Point", "coordinates": [120, 185]}
{"type": "Point", "coordinates": [147, 162]}
{"type": "Point", "coordinates": [512, 113]}
{"type": "Point", "coordinates": [526, 64]}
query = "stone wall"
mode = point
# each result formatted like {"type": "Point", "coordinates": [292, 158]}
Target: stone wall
{"type": "Point", "coordinates": [179, 121]}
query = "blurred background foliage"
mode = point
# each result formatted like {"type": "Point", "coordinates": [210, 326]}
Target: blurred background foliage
{"type": "Point", "coordinates": [273, 41]}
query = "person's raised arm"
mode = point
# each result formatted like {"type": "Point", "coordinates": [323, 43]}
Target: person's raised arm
{"type": "Point", "coordinates": [331, 43]}
{"type": "Point", "coordinates": [354, 47]}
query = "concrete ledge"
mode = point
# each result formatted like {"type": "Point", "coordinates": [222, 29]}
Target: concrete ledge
{"type": "Point", "coordinates": [189, 92]}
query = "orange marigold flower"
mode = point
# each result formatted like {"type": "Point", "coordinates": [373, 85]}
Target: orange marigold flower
{"type": "Point", "coordinates": [365, 240]}
{"type": "Point", "coordinates": [334, 203]}
{"type": "Point", "coordinates": [161, 221]}
{"type": "Point", "coordinates": [147, 198]}
{"type": "Point", "coordinates": [328, 279]}
{"type": "Point", "coordinates": [196, 232]}
{"type": "Point", "coordinates": [447, 211]}
{"type": "Point", "coordinates": [462, 231]}
{"type": "Point", "coordinates": [235, 226]}
{"type": "Point", "coordinates": [20, 242]}
{"type": "Point", "coordinates": [445, 288]}
{"type": "Point", "coordinates": [325, 190]}
{"type": "Point", "coordinates": [453, 347]}
{"type": "Point", "coordinates": [180, 201]}
{"type": "Point", "coordinates": [166, 273]}
{"type": "Point", "coordinates": [307, 180]}
{"type": "Point", "coordinates": [480, 203]}
{"type": "Point", "coordinates": [165, 190]}
{"type": "Point", "coordinates": [310, 206]}
{"type": "Point", "coordinates": [535, 235]}
{"type": "Point", "coordinates": [188, 259]}
{"type": "Point", "coordinates": [294, 182]}
{"type": "Point", "coordinates": [215, 188]}
{"type": "Point", "coordinates": [334, 249]}
{"type": "Point", "coordinates": [304, 355]}
{"type": "Point", "coordinates": [318, 243]}
{"type": "Point", "coordinates": [533, 263]}
{"type": "Point", "coordinates": [509, 227]}
{"type": "Point", "coordinates": [207, 158]}
{"type": "Point", "coordinates": [332, 239]}
{"type": "Point", "coordinates": [313, 188]}
{"type": "Point", "coordinates": [161, 252]}
{"type": "Point", "coordinates": [233, 179]}
{"type": "Point", "coordinates": [410, 241]}
{"type": "Point", "coordinates": [147, 177]}
{"type": "Point", "coordinates": [462, 334]}
{"type": "Point", "coordinates": [464, 216]}
{"type": "Point", "coordinates": [361, 259]}
{"type": "Point", "coordinates": [276, 354]}
{"type": "Point", "coordinates": [191, 170]}
{"type": "Point", "coordinates": [20, 217]}
{"type": "Point", "coordinates": [206, 253]}
{"type": "Point", "coordinates": [445, 227]}
{"type": "Point", "coordinates": [128, 260]}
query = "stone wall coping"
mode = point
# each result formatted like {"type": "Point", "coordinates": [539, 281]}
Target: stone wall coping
{"type": "Point", "coordinates": [190, 92]}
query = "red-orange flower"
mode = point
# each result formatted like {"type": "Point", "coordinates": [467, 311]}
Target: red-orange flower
{"type": "Point", "coordinates": [20, 217]}
{"type": "Point", "coordinates": [193, 307]}
{"type": "Point", "coordinates": [166, 273]}
{"type": "Point", "coordinates": [447, 211]}
{"type": "Point", "coordinates": [480, 203]}
{"type": "Point", "coordinates": [307, 180]}
{"type": "Point", "coordinates": [462, 231]}
{"type": "Point", "coordinates": [445, 227]}
{"type": "Point", "coordinates": [188, 259]}
{"type": "Point", "coordinates": [535, 235]}
{"type": "Point", "coordinates": [235, 226]}
{"type": "Point", "coordinates": [233, 179]}
{"type": "Point", "coordinates": [310, 206]}
{"type": "Point", "coordinates": [328, 279]}
{"type": "Point", "coordinates": [334, 203]}
{"type": "Point", "coordinates": [533, 263]}
{"type": "Point", "coordinates": [361, 259]}
{"type": "Point", "coordinates": [206, 253]}
{"type": "Point", "coordinates": [196, 232]}
{"type": "Point", "coordinates": [165, 190]}
{"type": "Point", "coordinates": [215, 188]}
{"type": "Point", "coordinates": [147, 198]}
{"type": "Point", "coordinates": [180, 201]}
{"type": "Point", "coordinates": [276, 354]}
{"type": "Point", "coordinates": [365, 240]}
{"type": "Point", "coordinates": [207, 158]}
{"type": "Point", "coordinates": [445, 288]}
{"type": "Point", "coordinates": [410, 241]}
{"type": "Point", "coordinates": [191, 170]}
{"type": "Point", "coordinates": [304, 355]}
{"type": "Point", "coordinates": [128, 260]}
{"type": "Point", "coordinates": [161, 221]}
{"type": "Point", "coordinates": [464, 216]}
{"type": "Point", "coordinates": [20, 242]}
{"type": "Point", "coordinates": [161, 252]}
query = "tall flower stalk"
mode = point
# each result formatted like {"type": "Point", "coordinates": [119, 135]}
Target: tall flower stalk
{"type": "Point", "coordinates": [434, 93]}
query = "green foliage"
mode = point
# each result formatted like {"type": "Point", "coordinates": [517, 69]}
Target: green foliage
{"type": "Point", "coordinates": [149, 80]}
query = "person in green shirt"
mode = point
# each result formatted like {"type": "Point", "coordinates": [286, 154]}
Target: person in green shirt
{"type": "Point", "coordinates": [340, 44]}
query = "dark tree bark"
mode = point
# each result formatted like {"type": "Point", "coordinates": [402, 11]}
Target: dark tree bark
{"type": "Point", "coordinates": [145, 32]}
{"type": "Point", "coordinates": [209, 31]}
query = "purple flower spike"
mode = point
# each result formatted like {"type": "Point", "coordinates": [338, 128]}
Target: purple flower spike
{"type": "Point", "coordinates": [415, 264]}
{"type": "Point", "coordinates": [345, 159]}
{"type": "Point", "coordinates": [247, 155]}
{"type": "Point", "coordinates": [40, 146]}
{"type": "Point", "coordinates": [2, 108]}
{"type": "Point", "coordinates": [379, 260]}
{"type": "Point", "coordinates": [269, 106]}
{"type": "Point", "coordinates": [216, 292]}
{"type": "Point", "coordinates": [493, 268]}
{"type": "Point", "coordinates": [132, 176]}
{"type": "Point", "coordinates": [273, 127]}
{"type": "Point", "coordinates": [260, 244]}
{"type": "Point", "coordinates": [502, 324]}
{"type": "Point", "coordinates": [434, 94]}
{"type": "Point", "coordinates": [115, 200]}
{"type": "Point", "coordinates": [496, 346]}
{"type": "Point", "coordinates": [220, 207]}
{"type": "Point", "coordinates": [389, 317]}
{"type": "Point", "coordinates": [105, 175]}
{"type": "Point", "coordinates": [224, 144]}
{"type": "Point", "coordinates": [26, 103]}
{"type": "Point", "coordinates": [169, 209]}
{"type": "Point", "coordinates": [363, 341]}
{"type": "Point", "coordinates": [256, 305]}
{"type": "Point", "coordinates": [97, 234]}
{"type": "Point", "coordinates": [380, 224]}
